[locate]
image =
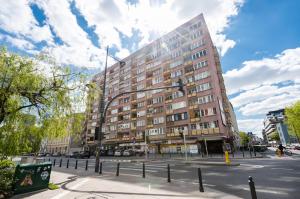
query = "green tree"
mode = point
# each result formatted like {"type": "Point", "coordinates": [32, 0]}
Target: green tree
{"type": "Point", "coordinates": [35, 87]}
{"type": "Point", "coordinates": [244, 138]}
{"type": "Point", "coordinates": [275, 136]}
{"type": "Point", "coordinates": [293, 118]}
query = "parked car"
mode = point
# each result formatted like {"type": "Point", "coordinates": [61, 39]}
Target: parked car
{"type": "Point", "coordinates": [260, 148]}
{"type": "Point", "coordinates": [72, 154]}
{"type": "Point", "coordinates": [129, 152]}
{"type": "Point", "coordinates": [56, 154]}
{"type": "Point", "coordinates": [296, 147]}
{"type": "Point", "coordinates": [83, 154]}
{"type": "Point", "coordinates": [118, 153]}
{"type": "Point", "coordinates": [110, 152]}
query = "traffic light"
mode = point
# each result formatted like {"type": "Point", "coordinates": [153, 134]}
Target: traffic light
{"type": "Point", "coordinates": [180, 86]}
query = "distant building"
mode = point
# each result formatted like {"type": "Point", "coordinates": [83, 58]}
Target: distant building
{"type": "Point", "coordinates": [275, 122]}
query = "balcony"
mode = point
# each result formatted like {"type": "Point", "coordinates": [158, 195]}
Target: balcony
{"type": "Point", "coordinates": [156, 137]}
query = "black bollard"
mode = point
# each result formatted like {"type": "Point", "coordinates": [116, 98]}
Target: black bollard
{"type": "Point", "coordinates": [76, 163]}
{"type": "Point", "coordinates": [68, 163]}
{"type": "Point", "coordinates": [252, 188]}
{"type": "Point", "coordinates": [201, 189]}
{"type": "Point", "coordinates": [60, 162]}
{"type": "Point", "coordinates": [97, 166]}
{"type": "Point", "coordinates": [232, 154]}
{"type": "Point", "coordinates": [243, 153]}
{"type": "Point", "coordinates": [54, 162]}
{"type": "Point", "coordinates": [254, 152]}
{"type": "Point", "coordinates": [100, 168]}
{"type": "Point", "coordinates": [86, 164]}
{"type": "Point", "coordinates": [49, 159]}
{"type": "Point", "coordinates": [169, 176]}
{"type": "Point", "coordinates": [250, 153]}
{"type": "Point", "coordinates": [202, 154]}
{"type": "Point", "coordinates": [118, 168]}
{"type": "Point", "coordinates": [144, 175]}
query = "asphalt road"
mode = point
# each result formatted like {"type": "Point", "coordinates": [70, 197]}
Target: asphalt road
{"type": "Point", "coordinates": [274, 178]}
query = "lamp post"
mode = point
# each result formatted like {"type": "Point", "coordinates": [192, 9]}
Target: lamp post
{"type": "Point", "coordinates": [98, 135]}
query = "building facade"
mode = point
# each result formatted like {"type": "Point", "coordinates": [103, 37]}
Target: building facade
{"type": "Point", "coordinates": [157, 118]}
{"type": "Point", "coordinates": [275, 122]}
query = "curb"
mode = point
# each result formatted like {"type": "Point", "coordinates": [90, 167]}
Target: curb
{"type": "Point", "coordinates": [212, 163]}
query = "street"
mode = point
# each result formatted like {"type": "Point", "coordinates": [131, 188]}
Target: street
{"type": "Point", "coordinates": [274, 178]}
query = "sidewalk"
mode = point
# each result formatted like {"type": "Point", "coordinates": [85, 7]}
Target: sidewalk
{"type": "Point", "coordinates": [125, 187]}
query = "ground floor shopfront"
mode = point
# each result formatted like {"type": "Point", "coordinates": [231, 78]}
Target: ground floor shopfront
{"type": "Point", "coordinates": [193, 145]}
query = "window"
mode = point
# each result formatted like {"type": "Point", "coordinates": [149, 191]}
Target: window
{"type": "Point", "coordinates": [126, 117]}
{"type": "Point", "coordinates": [176, 73]}
{"type": "Point", "coordinates": [140, 95]}
{"type": "Point", "coordinates": [195, 26]}
{"type": "Point", "coordinates": [159, 109]}
{"type": "Point", "coordinates": [197, 34]}
{"type": "Point", "coordinates": [126, 108]}
{"type": "Point", "coordinates": [203, 75]}
{"type": "Point", "coordinates": [114, 103]}
{"type": "Point", "coordinates": [140, 123]}
{"type": "Point", "coordinates": [177, 105]}
{"type": "Point", "coordinates": [113, 119]}
{"type": "Point", "coordinates": [112, 128]}
{"type": "Point", "coordinates": [126, 100]}
{"type": "Point", "coordinates": [176, 54]}
{"type": "Point", "coordinates": [159, 99]}
{"type": "Point", "coordinates": [140, 86]}
{"type": "Point", "coordinates": [176, 63]}
{"type": "Point", "coordinates": [124, 126]}
{"type": "Point", "coordinates": [158, 72]}
{"type": "Point", "coordinates": [177, 117]}
{"type": "Point", "coordinates": [141, 113]}
{"type": "Point", "coordinates": [157, 80]}
{"type": "Point", "coordinates": [200, 64]}
{"type": "Point", "coordinates": [158, 120]}
{"type": "Point", "coordinates": [197, 44]}
{"type": "Point", "coordinates": [141, 104]}
{"type": "Point", "coordinates": [199, 54]}
{"type": "Point", "coordinates": [114, 111]}
{"type": "Point", "coordinates": [205, 99]}
{"type": "Point", "coordinates": [177, 94]}
{"type": "Point", "coordinates": [203, 87]}
{"type": "Point", "coordinates": [140, 78]}
{"type": "Point", "coordinates": [155, 131]}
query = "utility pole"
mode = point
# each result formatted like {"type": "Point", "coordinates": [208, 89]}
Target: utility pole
{"type": "Point", "coordinates": [185, 149]}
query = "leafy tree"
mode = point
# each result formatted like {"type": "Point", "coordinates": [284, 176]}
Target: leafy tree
{"type": "Point", "coordinates": [244, 138]}
{"type": "Point", "coordinates": [293, 118]}
{"type": "Point", "coordinates": [36, 101]}
{"type": "Point", "coordinates": [275, 136]}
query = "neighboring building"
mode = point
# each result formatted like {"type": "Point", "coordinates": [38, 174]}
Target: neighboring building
{"type": "Point", "coordinates": [203, 113]}
{"type": "Point", "coordinates": [274, 122]}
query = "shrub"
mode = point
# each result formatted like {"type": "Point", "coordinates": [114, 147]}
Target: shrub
{"type": "Point", "coordinates": [7, 170]}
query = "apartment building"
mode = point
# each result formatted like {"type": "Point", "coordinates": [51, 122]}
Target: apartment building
{"type": "Point", "coordinates": [157, 118]}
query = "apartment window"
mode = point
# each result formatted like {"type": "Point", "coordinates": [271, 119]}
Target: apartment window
{"type": "Point", "coordinates": [177, 94]}
{"type": "Point", "coordinates": [158, 120]}
{"type": "Point", "coordinates": [203, 87]}
{"type": "Point", "coordinates": [176, 54]}
{"type": "Point", "coordinates": [176, 73]}
{"type": "Point", "coordinates": [190, 79]}
{"type": "Point", "coordinates": [159, 99]}
{"type": "Point", "coordinates": [205, 99]}
{"type": "Point", "coordinates": [200, 64]}
{"type": "Point", "coordinates": [159, 109]}
{"type": "Point", "coordinates": [141, 104]}
{"type": "Point", "coordinates": [113, 119]}
{"type": "Point", "coordinates": [126, 117]}
{"type": "Point", "coordinates": [176, 63]}
{"type": "Point", "coordinates": [157, 80]}
{"type": "Point", "coordinates": [141, 86]}
{"type": "Point", "coordinates": [141, 113]}
{"type": "Point", "coordinates": [114, 111]}
{"type": "Point", "coordinates": [155, 131]}
{"type": "Point", "coordinates": [124, 126]}
{"type": "Point", "coordinates": [158, 71]}
{"type": "Point", "coordinates": [94, 117]}
{"type": "Point", "coordinates": [197, 44]}
{"type": "Point", "coordinates": [197, 34]}
{"type": "Point", "coordinates": [177, 117]}
{"type": "Point", "coordinates": [126, 100]}
{"type": "Point", "coordinates": [140, 123]}
{"type": "Point", "coordinates": [94, 123]}
{"type": "Point", "coordinates": [140, 95]}
{"type": "Point", "coordinates": [195, 26]}
{"type": "Point", "coordinates": [126, 108]}
{"type": "Point", "coordinates": [177, 105]}
{"type": "Point", "coordinates": [203, 75]}
{"type": "Point", "coordinates": [208, 112]}
{"type": "Point", "coordinates": [199, 54]}
{"type": "Point", "coordinates": [112, 128]}
{"type": "Point", "coordinates": [114, 103]}
{"type": "Point", "coordinates": [192, 90]}
{"type": "Point", "coordinates": [140, 70]}
{"type": "Point", "coordinates": [140, 78]}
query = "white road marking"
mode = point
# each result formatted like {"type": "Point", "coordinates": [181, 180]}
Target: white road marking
{"type": "Point", "coordinates": [283, 169]}
{"type": "Point", "coordinates": [65, 192]}
{"type": "Point", "coordinates": [253, 166]}
{"type": "Point", "coordinates": [134, 169]}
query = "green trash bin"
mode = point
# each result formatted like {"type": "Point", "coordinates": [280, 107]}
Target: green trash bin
{"type": "Point", "coordinates": [31, 177]}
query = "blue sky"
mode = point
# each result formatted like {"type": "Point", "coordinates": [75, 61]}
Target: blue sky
{"type": "Point", "coordinates": [258, 41]}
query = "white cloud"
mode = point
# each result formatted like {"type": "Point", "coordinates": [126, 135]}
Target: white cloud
{"type": "Point", "coordinates": [16, 17]}
{"type": "Point", "coordinates": [251, 125]}
{"type": "Point", "coordinates": [19, 43]}
{"type": "Point", "coordinates": [283, 67]}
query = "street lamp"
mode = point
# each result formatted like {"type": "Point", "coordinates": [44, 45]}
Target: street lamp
{"type": "Point", "coordinates": [101, 109]}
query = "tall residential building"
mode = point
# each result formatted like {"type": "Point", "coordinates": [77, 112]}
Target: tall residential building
{"type": "Point", "coordinates": [204, 113]}
{"type": "Point", "coordinates": [275, 122]}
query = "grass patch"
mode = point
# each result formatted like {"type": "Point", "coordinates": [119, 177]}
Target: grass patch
{"type": "Point", "coordinates": [52, 186]}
